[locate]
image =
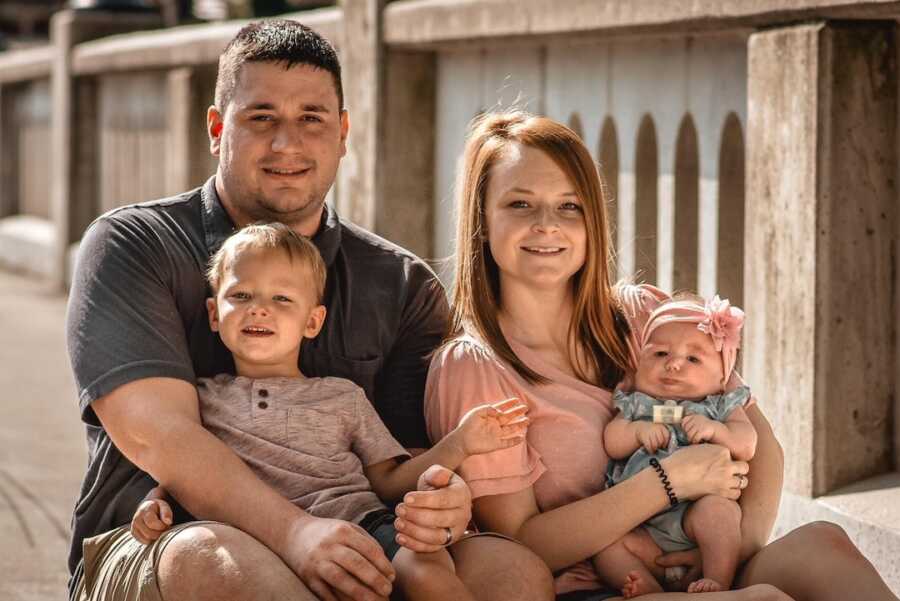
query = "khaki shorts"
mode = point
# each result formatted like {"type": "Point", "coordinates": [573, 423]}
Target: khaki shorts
{"type": "Point", "coordinates": [119, 568]}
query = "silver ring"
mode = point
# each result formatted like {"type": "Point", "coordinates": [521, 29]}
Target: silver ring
{"type": "Point", "coordinates": [449, 536]}
{"type": "Point", "coordinates": [741, 480]}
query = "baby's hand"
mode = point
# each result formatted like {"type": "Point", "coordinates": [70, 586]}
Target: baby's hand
{"type": "Point", "coordinates": [152, 518]}
{"type": "Point", "coordinates": [698, 428]}
{"type": "Point", "coordinates": [652, 436]}
{"type": "Point", "coordinates": [489, 428]}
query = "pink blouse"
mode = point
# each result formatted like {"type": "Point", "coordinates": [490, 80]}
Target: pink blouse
{"type": "Point", "coordinates": [563, 458]}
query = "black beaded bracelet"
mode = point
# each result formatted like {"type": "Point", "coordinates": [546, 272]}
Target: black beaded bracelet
{"type": "Point", "coordinates": [673, 500]}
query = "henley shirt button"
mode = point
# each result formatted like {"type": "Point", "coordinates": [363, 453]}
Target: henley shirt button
{"type": "Point", "coordinates": [262, 405]}
{"type": "Point", "coordinates": [263, 392]}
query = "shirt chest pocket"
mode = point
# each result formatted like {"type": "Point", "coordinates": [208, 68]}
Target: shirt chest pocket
{"type": "Point", "coordinates": [315, 431]}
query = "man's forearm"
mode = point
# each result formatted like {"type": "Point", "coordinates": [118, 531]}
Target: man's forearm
{"type": "Point", "coordinates": [209, 480]}
{"type": "Point", "coordinates": [155, 423]}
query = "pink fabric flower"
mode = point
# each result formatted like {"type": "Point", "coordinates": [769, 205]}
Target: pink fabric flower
{"type": "Point", "coordinates": [723, 323]}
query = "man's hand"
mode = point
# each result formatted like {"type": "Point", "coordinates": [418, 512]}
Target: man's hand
{"type": "Point", "coordinates": [442, 500]}
{"type": "Point", "coordinates": [338, 560]}
{"type": "Point", "coordinates": [652, 436]}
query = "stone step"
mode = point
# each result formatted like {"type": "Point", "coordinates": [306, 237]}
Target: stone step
{"type": "Point", "coordinates": [869, 511]}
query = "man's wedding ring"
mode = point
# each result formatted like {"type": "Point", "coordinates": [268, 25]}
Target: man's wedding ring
{"type": "Point", "coordinates": [742, 481]}
{"type": "Point", "coordinates": [449, 536]}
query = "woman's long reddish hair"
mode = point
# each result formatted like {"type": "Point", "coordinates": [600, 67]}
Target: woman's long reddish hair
{"type": "Point", "coordinates": [597, 332]}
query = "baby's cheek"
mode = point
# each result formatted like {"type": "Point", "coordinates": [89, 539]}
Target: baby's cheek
{"type": "Point", "coordinates": [644, 377]}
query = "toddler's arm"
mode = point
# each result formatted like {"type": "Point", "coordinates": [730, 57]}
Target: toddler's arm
{"type": "Point", "coordinates": [153, 516]}
{"type": "Point", "coordinates": [736, 433]}
{"type": "Point", "coordinates": [623, 437]}
{"type": "Point", "coordinates": [484, 429]}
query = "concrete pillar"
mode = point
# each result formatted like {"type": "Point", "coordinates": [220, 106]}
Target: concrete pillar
{"type": "Point", "coordinates": [180, 92]}
{"type": "Point", "coordinates": [820, 246]}
{"type": "Point", "coordinates": [9, 173]}
{"type": "Point", "coordinates": [84, 188]}
{"type": "Point", "coordinates": [361, 61]}
{"type": "Point", "coordinates": [731, 188]}
{"type": "Point", "coordinates": [646, 195]}
{"type": "Point", "coordinates": [406, 149]}
{"type": "Point", "coordinates": [609, 167]}
{"type": "Point", "coordinates": [67, 29]}
{"type": "Point", "coordinates": [687, 202]}
{"type": "Point", "coordinates": [190, 92]}
{"type": "Point", "coordinates": [386, 181]}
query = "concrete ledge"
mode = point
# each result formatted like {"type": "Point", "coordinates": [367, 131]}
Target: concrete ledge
{"type": "Point", "coordinates": [869, 511]}
{"type": "Point", "coordinates": [26, 244]}
{"type": "Point", "coordinates": [185, 46]}
{"type": "Point", "coordinates": [425, 22]}
{"type": "Point", "coordinates": [25, 65]}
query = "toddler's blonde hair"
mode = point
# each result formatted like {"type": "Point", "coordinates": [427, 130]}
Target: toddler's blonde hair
{"type": "Point", "coordinates": [267, 237]}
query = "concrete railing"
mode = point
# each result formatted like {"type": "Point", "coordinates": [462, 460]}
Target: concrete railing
{"type": "Point", "coordinates": [751, 148]}
{"type": "Point", "coordinates": [26, 229]}
{"type": "Point", "coordinates": [100, 118]}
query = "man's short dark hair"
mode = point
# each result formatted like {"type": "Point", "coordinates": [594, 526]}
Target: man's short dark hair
{"type": "Point", "coordinates": [281, 41]}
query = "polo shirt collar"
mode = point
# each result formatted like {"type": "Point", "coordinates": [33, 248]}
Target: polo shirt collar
{"type": "Point", "coordinates": [218, 226]}
{"type": "Point", "coordinates": [328, 238]}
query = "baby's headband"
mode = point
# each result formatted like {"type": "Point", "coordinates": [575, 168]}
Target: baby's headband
{"type": "Point", "coordinates": [717, 318]}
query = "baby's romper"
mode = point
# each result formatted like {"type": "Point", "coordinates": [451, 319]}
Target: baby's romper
{"type": "Point", "coordinates": [666, 527]}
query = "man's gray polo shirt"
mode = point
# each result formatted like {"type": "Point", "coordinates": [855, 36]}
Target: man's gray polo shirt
{"type": "Point", "coordinates": [137, 310]}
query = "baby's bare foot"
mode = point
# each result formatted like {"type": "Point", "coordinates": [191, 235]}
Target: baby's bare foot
{"type": "Point", "coordinates": [704, 585]}
{"type": "Point", "coordinates": [635, 585]}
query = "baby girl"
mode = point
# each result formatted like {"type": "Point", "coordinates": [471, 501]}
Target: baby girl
{"type": "Point", "coordinates": [681, 397]}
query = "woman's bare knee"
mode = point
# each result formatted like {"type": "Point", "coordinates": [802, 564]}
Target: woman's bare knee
{"type": "Point", "coordinates": [216, 561]}
{"type": "Point", "coordinates": [763, 592]}
{"type": "Point", "coordinates": [412, 563]}
{"type": "Point", "coordinates": [822, 535]}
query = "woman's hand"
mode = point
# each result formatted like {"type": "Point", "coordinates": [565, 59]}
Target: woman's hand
{"type": "Point", "coordinates": [689, 560]}
{"type": "Point", "coordinates": [705, 469]}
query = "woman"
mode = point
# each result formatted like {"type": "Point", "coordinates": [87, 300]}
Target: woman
{"type": "Point", "coordinates": [535, 317]}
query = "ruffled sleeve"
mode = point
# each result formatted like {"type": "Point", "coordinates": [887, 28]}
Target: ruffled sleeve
{"type": "Point", "coordinates": [739, 397]}
{"type": "Point", "coordinates": [463, 375]}
{"type": "Point", "coordinates": [625, 403]}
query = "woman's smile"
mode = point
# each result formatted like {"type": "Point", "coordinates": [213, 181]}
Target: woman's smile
{"type": "Point", "coordinates": [545, 251]}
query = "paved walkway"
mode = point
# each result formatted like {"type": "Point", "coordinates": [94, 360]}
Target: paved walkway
{"type": "Point", "coordinates": [42, 448]}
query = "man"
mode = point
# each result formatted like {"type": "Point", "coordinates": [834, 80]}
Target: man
{"type": "Point", "coordinates": [139, 337]}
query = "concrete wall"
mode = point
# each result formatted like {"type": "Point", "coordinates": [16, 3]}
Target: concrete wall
{"type": "Point", "coordinates": [821, 247]}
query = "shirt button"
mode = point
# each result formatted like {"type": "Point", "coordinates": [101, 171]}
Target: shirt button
{"type": "Point", "coordinates": [263, 392]}
{"type": "Point", "coordinates": [262, 405]}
